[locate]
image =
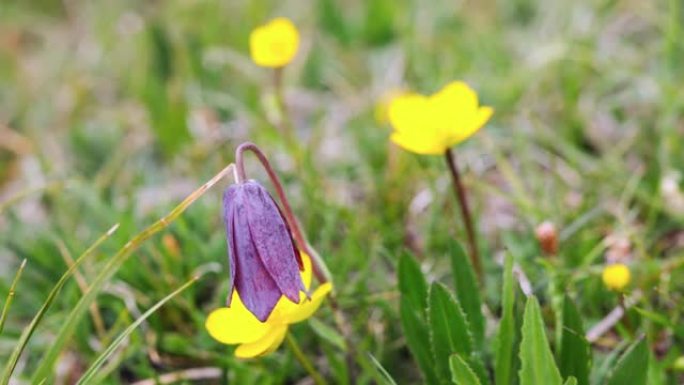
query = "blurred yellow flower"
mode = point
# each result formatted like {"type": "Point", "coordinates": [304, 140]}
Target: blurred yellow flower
{"type": "Point", "coordinates": [237, 325]}
{"type": "Point", "coordinates": [616, 276]}
{"type": "Point", "coordinates": [275, 43]}
{"type": "Point", "coordinates": [431, 124]}
{"type": "Point", "coordinates": [381, 112]}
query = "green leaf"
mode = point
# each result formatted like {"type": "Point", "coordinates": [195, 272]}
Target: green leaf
{"type": "Point", "coordinates": [327, 333]}
{"type": "Point", "coordinates": [417, 338]}
{"type": "Point", "coordinates": [100, 360]}
{"type": "Point", "coordinates": [449, 329]}
{"type": "Point", "coordinates": [538, 365]}
{"type": "Point", "coordinates": [468, 292]}
{"type": "Point", "coordinates": [571, 381]}
{"type": "Point", "coordinates": [461, 373]}
{"type": "Point", "coordinates": [412, 283]}
{"type": "Point", "coordinates": [503, 366]}
{"type": "Point", "coordinates": [385, 376]}
{"type": "Point", "coordinates": [632, 368]}
{"type": "Point", "coordinates": [575, 352]}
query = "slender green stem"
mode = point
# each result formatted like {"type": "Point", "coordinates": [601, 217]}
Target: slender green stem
{"type": "Point", "coordinates": [284, 124]}
{"type": "Point", "coordinates": [10, 295]}
{"type": "Point", "coordinates": [459, 189]}
{"type": "Point", "coordinates": [306, 364]}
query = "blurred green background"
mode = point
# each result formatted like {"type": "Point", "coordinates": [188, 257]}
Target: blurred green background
{"type": "Point", "coordinates": [112, 112]}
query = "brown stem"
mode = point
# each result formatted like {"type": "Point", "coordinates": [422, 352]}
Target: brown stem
{"type": "Point", "coordinates": [297, 233]}
{"type": "Point", "coordinates": [465, 211]}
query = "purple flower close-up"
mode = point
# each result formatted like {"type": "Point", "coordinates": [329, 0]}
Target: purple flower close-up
{"type": "Point", "coordinates": [264, 260]}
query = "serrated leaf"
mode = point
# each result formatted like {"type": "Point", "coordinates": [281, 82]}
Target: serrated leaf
{"type": "Point", "coordinates": [413, 305]}
{"type": "Point", "coordinates": [449, 329]}
{"type": "Point", "coordinates": [575, 352]}
{"type": "Point", "coordinates": [538, 365]}
{"type": "Point", "coordinates": [461, 372]}
{"type": "Point", "coordinates": [417, 338]}
{"type": "Point", "coordinates": [468, 292]}
{"type": "Point", "coordinates": [571, 381]}
{"type": "Point", "coordinates": [632, 368]}
{"type": "Point", "coordinates": [503, 367]}
{"type": "Point", "coordinates": [412, 283]}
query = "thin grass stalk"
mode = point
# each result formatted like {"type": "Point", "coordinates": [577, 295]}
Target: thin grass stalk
{"type": "Point", "coordinates": [100, 360]}
{"type": "Point", "coordinates": [28, 331]}
{"type": "Point", "coordinates": [10, 295]}
{"type": "Point", "coordinates": [77, 313]}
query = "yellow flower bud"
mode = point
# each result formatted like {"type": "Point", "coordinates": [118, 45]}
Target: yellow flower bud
{"type": "Point", "coordinates": [616, 276]}
{"type": "Point", "coordinates": [275, 43]}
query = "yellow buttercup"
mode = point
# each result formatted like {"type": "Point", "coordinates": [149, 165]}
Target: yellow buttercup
{"type": "Point", "coordinates": [616, 276]}
{"type": "Point", "coordinates": [432, 124]}
{"type": "Point", "coordinates": [275, 43]}
{"type": "Point", "coordinates": [235, 325]}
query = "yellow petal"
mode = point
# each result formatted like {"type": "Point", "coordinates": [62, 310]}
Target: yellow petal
{"type": "Point", "coordinates": [469, 128]}
{"type": "Point", "coordinates": [407, 113]}
{"type": "Point", "coordinates": [306, 308]}
{"type": "Point", "coordinates": [265, 345]}
{"type": "Point", "coordinates": [274, 44]}
{"type": "Point", "coordinates": [307, 272]}
{"type": "Point", "coordinates": [235, 324]}
{"type": "Point", "coordinates": [456, 96]}
{"type": "Point", "coordinates": [424, 143]}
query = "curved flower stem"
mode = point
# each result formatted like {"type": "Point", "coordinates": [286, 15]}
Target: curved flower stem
{"type": "Point", "coordinates": [319, 268]}
{"type": "Point", "coordinates": [306, 364]}
{"type": "Point", "coordinates": [465, 211]}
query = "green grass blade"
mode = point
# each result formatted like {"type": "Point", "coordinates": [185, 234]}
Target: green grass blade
{"type": "Point", "coordinates": [461, 372]}
{"type": "Point", "coordinates": [632, 368]}
{"type": "Point", "coordinates": [571, 381]}
{"type": "Point", "coordinates": [503, 365]}
{"type": "Point", "coordinates": [10, 295]}
{"type": "Point", "coordinates": [449, 329]}
{"type": "Point", "coordinates": [537, 363]}
{"type": "Point", "coordinates": [575, 352]}
{"type": "Point", "coordinates": [72, 320]}
{"type": "Point", "coordinates": [384, 374]}
{"type": "Point", "coordinates": [468, 292]}
{"type": "Point", "coordinates": [28, 331]}
{"type": "Point", "coordinates": [95, 366]}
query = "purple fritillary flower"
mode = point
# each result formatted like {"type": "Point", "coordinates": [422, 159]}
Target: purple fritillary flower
{"type": "Point", "coordinates": [264, 261]}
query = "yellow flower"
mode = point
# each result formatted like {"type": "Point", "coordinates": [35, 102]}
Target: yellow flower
{"type": "Point", "coordinates": [237, 325]}
{"type": "Point", "coordinates": [275, 43]}
{"type": "Point", "coordinates": [431, 124]}
{"type": "Point", "coordinates": [616, 276]}
{"type": "Point", "coordinates": [381, 112]}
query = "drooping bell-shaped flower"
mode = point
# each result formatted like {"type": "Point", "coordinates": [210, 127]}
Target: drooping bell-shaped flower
{"type": "Point", "coordinates": [264, 261]}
